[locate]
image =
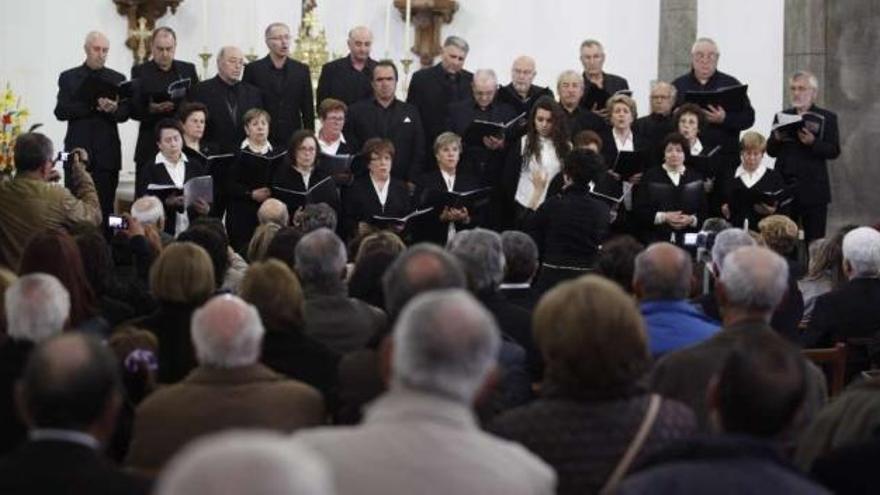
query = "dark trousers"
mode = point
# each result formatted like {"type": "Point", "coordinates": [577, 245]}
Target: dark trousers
{"type": "Point", "coordinates": [813, 219]}
{"type": "Point", "coordinates": [106, 182]}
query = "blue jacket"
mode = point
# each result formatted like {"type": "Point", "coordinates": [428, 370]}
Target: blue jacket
{"type": "Point", "coordinates": [672, 325]}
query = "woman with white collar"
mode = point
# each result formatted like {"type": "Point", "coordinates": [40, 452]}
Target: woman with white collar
{"type": "Point", "coordinates": [376, 193]}
{"type": "Point", "coordinates": [749, 191]}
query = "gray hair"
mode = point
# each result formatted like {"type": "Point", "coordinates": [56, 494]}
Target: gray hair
{"type": "Point", "coordinates": [315, 216]}
{"type": "Point", "coordinates": [728, 241]}
{"type": "Point", "coordinates": [273, 211]}
{"type": "Point", "coordinates": [274, 25]}
{"type": "Point", "coordinates": [664, 272]}
{"type": "Point", "coordinates": [482, 256]}
{"type": "Point", "coordinates": [754, 278]}
{"type": "Point", "coordinates": [485, 74]}
{"type": "Point", "coordinates": [811, 78]}
{"type": "Point", "coordinates": [37, 306]}
{"type": "Point", "coordinates": [227, 333]}
{"type": "Point", "coordinates": [458, 42]}
{"type": "Point", "coordinates": [420, 268]}
{"type": "Point", "coordinates": [705, 40]}
{"type": "Point", "coordinates": [445, 343]}
{"type": "Point", "coordinates": [520, 255]}
{"type": "Point", "coordinates": [592, 42]}
{"type": "Point", "coordinates": [253, 462]}
{"type": "Point", "coordinates": [320, 258]}
{"type": "Point", "coordinates": [148, 210]}
{"type": "Point", "coordinates": [657, 84]}
{"type": "Point", "coordinates": [861, 249]}
{"type": "Point", "coordinates": [569, 75]}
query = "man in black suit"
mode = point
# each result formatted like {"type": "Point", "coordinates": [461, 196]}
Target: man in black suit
{"type": "Point", "coordinates": [598, 84]}
{"type": "Point", "coordinates": [152, 101]}
{"type": "Point", "coordinates": [92, 118]}
{"type": "Point", "coordinates": [69, 395]}
{"type": "Point", "coordinates": [348, 79]}
{"type": "Point", "coordinates": [803, 162]}
{"type": "Point", "coordinates": [658, 124]}
{"type": "Point", "coordinates": [286, 85]}
{"type": "Point", "coordinates": [570, 86]}
{"type": "Point", "coordinates": [521, 94]}
{"type": "Point", "coordinates": [433, 89]}
{"type": "Point", "coordinates": [386, 117]}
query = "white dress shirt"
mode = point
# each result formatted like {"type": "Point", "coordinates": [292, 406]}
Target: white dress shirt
{"type": "Point", "coordinates": [177, 172]}
{"type": "Point", "coordinates": [624, 142]}
{"type": "Point", "coordinates": [450, 184]}
{"type": "Point", "coordinates": [262, 150]}
{"type": "Point", "coordinates": [750, 178]}
{"type": "Point", "coordinates": [381, 191]}
{"type": "Point", "coordinates": [332, 147]}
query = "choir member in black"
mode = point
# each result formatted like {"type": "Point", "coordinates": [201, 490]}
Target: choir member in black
{"type": "Point", "coordinates": [535, 159]}
{"type": "Point", "coordinates": [385, 116]}
{"type": "Point", "coordinates": [433, 89]}
{"type": "Point", "coordinates": [751, 175]}
{"type": "Point", "coordinates": [621, 136]}
{"type": "Point", "coordinates": [689, 120]}
{"type": "Point", "coordinates": [152, 102]}
{"type": "Point", "coordinates": [441, 224]}
{"type": "Point", "coordinates": [171, 167]}
{"type": "Point", "coordinates": [347, 79]}
{"type": "Point", "coordinates": [521, 94]}
{"type": "Point", "coordinates": [301, 172]}
{"type": "Point", "coordinates": [656, 126]}
{"type": "Point", "coordinates": [570, 86]}
{"type": "Point", "coordinates": [193, 116]}
{"type": "Point", "coordinates": [570, 227]}
{"type": "Point", "coordinates": [670, 199]}
{"type": "Point", "coordinates": [331, 113]}
{"type": "Point", "coordinates": [484, 159]}
{"type": "Point", "coordinates": [598, 84]}
{"type": "Point", "coordinates": [227, 99]}
{"type": "Point", "coordinates": [285, 83]}
{"type": "Point", "coordinates": [803, 161]}
{"type": "Point", "coordinates": [92, 123]}
{"type": "Point", "coordinates": [722, 127]}
{"type": "Point", "coordinates": [376, 193]}
{"type": "Point", "coordinates": [247, 183]}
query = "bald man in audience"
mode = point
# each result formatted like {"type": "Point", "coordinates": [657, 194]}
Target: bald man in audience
{"type": "Point", "coordinates": [228, 389]}
{"type": "Point", "coordinates": [662, 283]}
{"type": "Point", "coordinates": [570, 87]}
{"type": "Point", "coordinates": [348, 79]}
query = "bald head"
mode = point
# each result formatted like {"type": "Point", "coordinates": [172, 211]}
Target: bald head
{"type": "Point", "coordinates": [662, 272]}
{"type": "Point", "coordinates": [273, 211]}
{"type": "Point", "coordinates": [360, 41]}
{"type": "Point", "coordinates": [96, 47]}
{"type": "Point", "coordinates": [420, 268]}
{"type": "Point", "coordinates": [230, 64]}
{"type": "Point", "coordinates": [522, 74]}
{"type": "Point", "coordinates": [227, 333]}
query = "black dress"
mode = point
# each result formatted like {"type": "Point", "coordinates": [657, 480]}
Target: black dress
{"type": "Point", "coordinates": [362, 202]}
{"type": "Point", "coordinates": [656, 192]}
{"type": "Point", "coordinates": [736, 196]}
{"type": "Point", "coordinates": [321, 188]}
{"type": "Point", "coordinates": [249, 171]}
{"type": "Point", "coordinates": [432, 229]}
{"type": "Point", "coordinates": [157, 175]}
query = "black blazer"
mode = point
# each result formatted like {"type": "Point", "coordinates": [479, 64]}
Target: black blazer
{"type": "Point", "coordinates": [150, 79]}
{"type": "Point", "coordinates": [653, 129]}
{"type": "Point", "coordinates": [158, 174]}
{"type": "Point", "coordinates": [646, 205]}
{"type": "Point", "coordinates": [508, 95]}
{"type": "Point", "coordinates": [224, 127]}
{"type": "Point", "coordinates": [87, 128]}
{"type": "Point", "coordinates": [246, 173]}
{"type": "Point", "coordinates": [477, 159]}
{"type": "Point", "coordinates": [431, 229]}
{"type": "Point", "coordinates": [362, 202]}
{"type": "Point", "coordinates": [847, 312]}
{"type": "Point", "coordinates": [52, 467]}
{"type": "Point", "coordinates": [807, 167]}
{"type": "Point", "coordinates": [582, 119]}
{"type": "Point", "coordinates": [290, 105]}
{"type": "Point", "coordinates": [340, 80]}
{"type": "Point", "coordinates": [431, 91]}
{"type": "Point", "coordinates": [609, 146]}
{"type": "Point", "coordinates": [289, 178]}
{"type": "Point", "coordinates": [731, 193]}
{"type": "Point", "coordinates": [596, 96]}
{"type": "Point", "coordinates": [400, 123]}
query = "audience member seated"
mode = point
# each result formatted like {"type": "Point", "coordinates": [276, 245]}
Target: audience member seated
{"type": "Point", "coordinates": [273, 211]}
{"type": "Point", "coordinates": [56, 253]}
{"type": "Point", "coordinates": [37, 307]}
{"type": "Point", "coordinates": [275, 291]}
{"type": "Point", "coordinates": [111, 293]}
{"type": "Point", "coordinates": [520, 267]}
{"type": "Point", "coordinates": [617, 260]}
{"type": "Point", "coordinates": [283, 246]}
{"type": "Point", "coordinates": [256, 463]}
{"type": "Point", "coordinates": [341, 323]}
{"type": "Point", "coordinates": [69, 395]}
{"type": "Point", "coordinates": [181, 280]}
{"type": "Point", "coordinates": [374, 255]}
{"type": "Point", "coordinates": [229, 389]}
{"type": "Point", "coordinates": [315, 216]}
{"type": "Point", "coordinates": [263, 236]}
{"type": "Point", "coordinates": [780, 234]}
{"type": "Point", "coordinates": [31, 203]}
{"type": "Point", "coordinates": [752, 283]}
{"type": "Point", "coordinates": [753, 400]}
{"type": "Point", "coordinates": [825, 272]}
{"type": "Point", "coordinates": [595, 349]}
{"type": "Point", "coordinates": [662, 283]}
{"type": "Point", "coordinates": [149, 211]}
{"type": "Point", "coordinates": [229, 266]}
{"type": "Point", "coordinates": [421, 436]}
{"type": "Point", "coordinates": [726, 241]}
{"type": "Point", "coordinates": [850, 470]}
{"type": "Point", "coordinates": [851, 312]}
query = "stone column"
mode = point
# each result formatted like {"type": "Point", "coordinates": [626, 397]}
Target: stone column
{"type": "Point", "coordinates": [804, 41]}
{"type": "Point", "coordinates": [678, 30]}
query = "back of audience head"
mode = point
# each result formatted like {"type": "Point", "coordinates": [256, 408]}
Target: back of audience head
{"type": "Point", "coordinates": [182, 274]}
{"type": "Point", "coordinates": [321, 260]}
{"type": "Point", "coordinates": [33, 151]}
{"type": "Point", "coordinates": [282, 247]}
{"type": "Point", "coordinates": [37, 307]}
{"type": "Point", "coordinates": [663, 272]}
{"type": "Point", "coordinates": [826, 257]}
{"type": "Point", "coordinates": [617, 260]}
{"type": "Point", "coordinates": [583, 166]}
{"type": "Point", "coordinates": [445, 343]}
{"type": "Point", "coordinates": [56, 253]}
{"type": "Point", "coordinates": [861, 252]}
{"type": "Point", "coordinates": [227, 333]}
{"type": "Point", "coordinates": [135, 351]}
{"type": "Point", "coordinates": [261, 240]}
{"type": "Point", "coordinates": [315, 216]}
{"type": "Point", "coordinates": [421, 268]}
{"type": "Point", "coordinates": [753, 280]}
{"type": "Point", "coordinates": [148, 210]}
{"type": "Point", "coordinates": [375, 254]}
{"type": "Point", "coordinates": [71, 382]}
{"type": "Point", "coordinates": [726, 242]}
{"type": "Point", "coordinates": [779, 233]}
{"type": "Point", "coordinates": [520, 256]}
{"type": "Point", "coordinates": [482, 256]}
{"type": "Point", "coordinates": [215, 245]}
{"type": "Point", "coordinates": [592, 337]}
{"type": "Point", "coordinates": [760, 389]}
{"type": "Point", "coordinates": [715, 224]}
{"type": "Point", "coordinates": [95, 256]}
{"type": "Point", "coordinates": [276, 293]}
{"type": "Point", "coordinates": [257, 463]}
{"type": "Point", "coordinates": [273, 211]}
{"type": "Point", "coordinates": [587, 140]}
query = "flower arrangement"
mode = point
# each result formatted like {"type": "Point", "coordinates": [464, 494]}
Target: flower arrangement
{"type": "Point", "coordinates": [12, 119]}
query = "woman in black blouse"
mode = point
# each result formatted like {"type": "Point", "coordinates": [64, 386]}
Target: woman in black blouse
{"type": "Point", "coordinates": [743, 189]}
{"type": "Point", "coordinates": [299, 179]}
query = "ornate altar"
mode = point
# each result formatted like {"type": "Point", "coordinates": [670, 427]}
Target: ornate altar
{"type": "Point", "coordinates": [428, 18]}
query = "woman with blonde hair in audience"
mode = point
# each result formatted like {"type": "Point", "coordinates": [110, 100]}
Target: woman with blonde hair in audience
{"type": "Point", "coordinates": [593, 341]}
{"type": "Point", "coordinates": [260, 241]}
{"type": "Point", "coordinates": [181, 280]}
{"type": "Point", "coordinates": [780, 233]}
